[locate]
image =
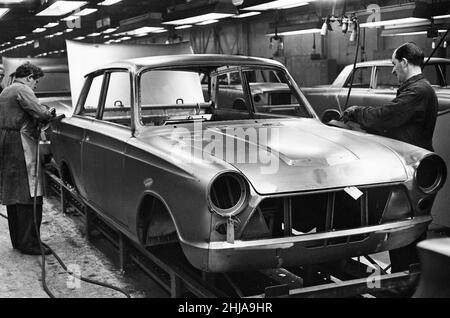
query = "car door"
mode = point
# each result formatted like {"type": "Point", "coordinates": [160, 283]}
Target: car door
{"type": "Point", "coordinates": [361, 87]}
{"type": "Point", "coordinates": [105, 143]}
{"type": "Point", "coordinates": [385, 86]}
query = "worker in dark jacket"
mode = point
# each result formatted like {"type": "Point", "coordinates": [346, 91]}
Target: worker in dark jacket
{"type": "Point", "coordinates": [20, 114]}
{"type": "Point", "coordinates": [409, 117]}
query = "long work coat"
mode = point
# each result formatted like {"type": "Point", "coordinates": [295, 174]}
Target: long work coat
{"type": "Point", "coordinates": [20, 113]}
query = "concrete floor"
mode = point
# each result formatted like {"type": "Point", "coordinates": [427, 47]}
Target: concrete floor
{"type": "Point", "coordinates": [20, 275]}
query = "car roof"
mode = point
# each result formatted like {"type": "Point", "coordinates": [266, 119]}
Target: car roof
{"type": "Point", "coordinates": [433, 60]}
{"type": "Point", "coordinates": [186, 59]}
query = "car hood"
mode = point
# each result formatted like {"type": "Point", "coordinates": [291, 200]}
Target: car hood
{"type": "Point", "coordinates": [291, 155]}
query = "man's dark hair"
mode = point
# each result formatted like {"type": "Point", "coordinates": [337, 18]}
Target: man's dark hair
{"type": "Point", "coordinates": [411, 52]}
{"type": "Point", "coordinates": [28, 69]}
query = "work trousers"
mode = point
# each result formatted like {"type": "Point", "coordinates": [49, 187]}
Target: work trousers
{"type": "Point", "coordinates": [22, 226]}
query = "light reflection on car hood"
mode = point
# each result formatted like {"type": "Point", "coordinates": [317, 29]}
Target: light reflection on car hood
{"type": "Point", "coordinates": [297, 155]}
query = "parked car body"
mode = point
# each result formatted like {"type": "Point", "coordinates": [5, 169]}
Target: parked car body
{"type": "Point", "coordinates": [239, 189]}
{"type": "Point", "coordinates": [373, 85]}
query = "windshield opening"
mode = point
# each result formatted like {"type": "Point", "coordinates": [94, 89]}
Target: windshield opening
{"type": "Point", "coordinates": [180, 95]}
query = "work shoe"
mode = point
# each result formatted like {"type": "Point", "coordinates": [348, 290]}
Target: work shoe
{"type": "Point", "coordinates": [36, 251]}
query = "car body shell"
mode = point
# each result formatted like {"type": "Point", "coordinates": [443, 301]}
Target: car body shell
{"type": "Point", "coordinates": [129, 174]}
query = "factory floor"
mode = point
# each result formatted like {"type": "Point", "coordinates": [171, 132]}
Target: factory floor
{"type": "Point", "coordinates": [20, 275]}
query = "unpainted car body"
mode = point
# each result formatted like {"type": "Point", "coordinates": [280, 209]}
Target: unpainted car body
{"type": "Point", "coordinates": [143, 150]}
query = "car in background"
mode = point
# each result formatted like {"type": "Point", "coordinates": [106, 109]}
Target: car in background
{"type": "Point", "coordinates": [163, 160]}
{"type": "Point", "coordinates": [373, 85]}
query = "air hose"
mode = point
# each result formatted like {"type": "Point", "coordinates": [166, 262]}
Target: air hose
{"type": "Point", "coordinates": [358, 29]}
{"type": "Point", "coordinates": [42, 244]}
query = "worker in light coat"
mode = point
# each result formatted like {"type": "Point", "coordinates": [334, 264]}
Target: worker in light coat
{"type": "Point", "coordinates": [20, 115]}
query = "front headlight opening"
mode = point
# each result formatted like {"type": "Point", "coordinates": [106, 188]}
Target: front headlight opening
{"type": "Point", "coordinates": [431, 174]}
{"type": "Point", "coordinates": [228, 194]}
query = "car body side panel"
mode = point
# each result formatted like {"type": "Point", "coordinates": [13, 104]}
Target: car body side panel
{"type": "Point", "coordinates": [103, 148]}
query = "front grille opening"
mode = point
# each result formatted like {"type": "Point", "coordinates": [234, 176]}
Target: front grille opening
{"type": "Point", "coordinates": [319, 213]}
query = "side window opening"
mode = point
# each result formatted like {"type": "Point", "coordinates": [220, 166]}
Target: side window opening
{"type": "Point", "coordinates": [117, 107]}
{"type": "Point", "coordinates": [361, 79]}
{"type": "Point", "coordinates": [91, 102]}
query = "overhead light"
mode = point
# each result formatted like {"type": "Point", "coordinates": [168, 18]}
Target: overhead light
{"type": "Point", "coordinates": [21, 37]}
{"type": "Point", "coordinates": [51, 24]}
{"type": "Point", "coordinates": [93, 34]}
{"type": "Point", "coordinates": [207, 22]}
{"type": "Point", "coordinates": [60, 7]}
{"type": "Point", "coordinates": [247, 14]}
{"type": "Point", "coordinates": [39, 30]}
{"type": "Point", "coordinates": [110, 30]}
{"type": "Point", "coordinates": [200, 18]}
{"type": "Point", "coordinates": [214, 11]}
{"type": "Point", "coordinates": [85, 12]}
{"type": "Point", "coordinates": [445, 16]}
{"type": "Point", "coordinates": [159, 31]}
{"type": "Point", "coordinates": [408, 31]}
{"type": "Point", "coordinates": [125, 38]}
{"type": "Point", "coordinates": [184, 26]}
{"type": "Point", "coordinates": [392, 22]}
{"type": "Point", "coordinates": [3, 11]}
{"type": "Point", "coordinates": [145, 29]}
{"type": "Point", "coordinates": [108, 2]}
{"type": "Point", "coordinates": [279, 4]}
{"type": "Point", "coordinates": [295, 28]}
{"type": "Point", "coordinates": [10, 1]}
{"type": "Point", "coordinates": [68, 30]}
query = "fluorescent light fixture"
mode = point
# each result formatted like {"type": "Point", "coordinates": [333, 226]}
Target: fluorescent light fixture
{"type": "Point", "coordinates": [58, 33]}
{"type": "Point", "coordinates": [79, 38]}
{"type": "Point", "coordinates": [392, 22]}
{"type": "Point", "coordinates": [21, 37]}
{"type": "Point", "coordinates": [94, 34]}
{"type": "Point", "coordinates": [184, 26]}
{"type": "Point", "coordinates": [110, 30]}
{"type": "Point", "coordinates": [146, 29]}
{"type": "Point", "coordinates": [125, 38]}
{"type": "Point", "coordinates": [108, 2]}
{"type": "Point", "coordinates": [39, 30]}
{"type": "Point", "coordinates": [159, 31]}
{"type": "Point", "coordinates": [207, 22]}
{"type": "Point", "coordinates": [247, 14]}
{"type": "Point", "coordinates": [200, 18]}
{"type": "Point", "coordinates": [61, 8]}
{"type": "Point", "coordinates": [296, 32]}
{"type": "Point", "coordinates": [10, 1]}
{"type": "Point", "coordinates": [445, 16]}
{"type": "Point", "coordinates": [410, 33]}
{"type": "Point", "coordinates": [68, 30]}
{"type": "Point", "coordinates": [3, 11]}
{"type": "Point", "coordinates": [85, 12]}
{"type": "Point", "coordinates": [51, 25]}
{"type": "Point", "coordinates": [279, 4]}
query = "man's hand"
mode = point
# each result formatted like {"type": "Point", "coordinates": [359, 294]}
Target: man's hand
{"type": "Point", "coordinates": [52, 111]}
{"type": "Point", "coordinates": [350, 114]}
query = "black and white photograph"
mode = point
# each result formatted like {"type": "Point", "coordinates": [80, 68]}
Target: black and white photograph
{"type": "Point", "coordinates": [224, 156]}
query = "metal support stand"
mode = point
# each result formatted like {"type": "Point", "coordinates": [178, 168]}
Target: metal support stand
{"type": "Point", "coordinates": [176, 286]}
{"type": "Point", "coordinates": [123, 252]}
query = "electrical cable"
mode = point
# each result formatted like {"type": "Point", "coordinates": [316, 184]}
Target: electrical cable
{"type": "Point", "coordinates": [354, 66]}
{"type": "Point", "coordinates": [357, 30]}
{"type": "Point", "coordinates": [42, 244]}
